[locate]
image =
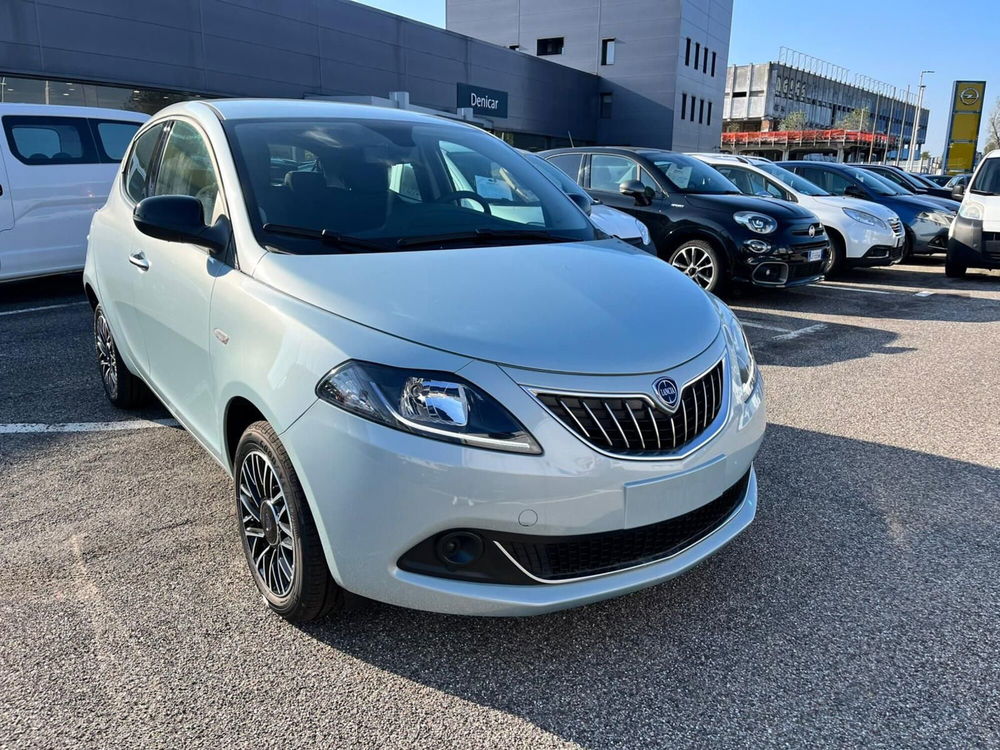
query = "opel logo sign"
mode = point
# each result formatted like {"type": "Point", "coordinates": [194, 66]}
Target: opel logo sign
{"type": "Point", "coordinates": [969, 96]}
{"type": "Point", "coordinates": [668, 392]}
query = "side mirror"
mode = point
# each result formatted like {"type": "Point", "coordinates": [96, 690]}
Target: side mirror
{"type": "Point", "coordinates": [180, 218]}
{"type": "Point", "coordinates": [582, 200]}
{"type": "Point", "coordinates": [635, 189]}
{"type": "Point", "coordinates": [853, 191]}
{"type": "Point", "coordinates": [958, 192]}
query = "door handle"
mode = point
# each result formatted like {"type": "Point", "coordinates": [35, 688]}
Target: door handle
{"type": "Point", "coordinates": [138, 259]}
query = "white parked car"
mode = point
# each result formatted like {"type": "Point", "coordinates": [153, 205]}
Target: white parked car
{"type": "Point", "coordinates": [609, 220]}
{"type": "Point", "coordinates": [435, 382]}
{"type": "Point", "coordinates": [56, 167]}
{"type": "Point", "coordinates": [861, 233]}
{"type": "Point", "coordinates": [974, 237]}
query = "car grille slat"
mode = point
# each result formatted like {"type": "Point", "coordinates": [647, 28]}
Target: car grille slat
{"type": "Point", "coordinates": [554, 560]}
{"type": "Point", "coordinates": [637, 426]}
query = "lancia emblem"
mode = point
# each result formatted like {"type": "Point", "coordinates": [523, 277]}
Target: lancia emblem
{"type": "Point", "coordinates": [668, 392]}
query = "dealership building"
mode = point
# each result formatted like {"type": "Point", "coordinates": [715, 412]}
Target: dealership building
{"type": "Point", "coordinates": [540, 75]}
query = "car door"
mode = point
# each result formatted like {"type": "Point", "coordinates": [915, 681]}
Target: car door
{"type": "Point", "coordinates": [113, 240]}
{"type": "Point", "coordinates": [174, 292]}
{"type": "Point", "coordinates": [6, 203]}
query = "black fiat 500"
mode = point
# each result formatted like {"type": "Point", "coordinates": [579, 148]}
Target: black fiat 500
{"type": "Point", "coordinates": [698, 220]}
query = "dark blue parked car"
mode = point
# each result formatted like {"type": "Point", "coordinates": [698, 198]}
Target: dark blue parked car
{"type": "Point", "coordinates": [926, 219]}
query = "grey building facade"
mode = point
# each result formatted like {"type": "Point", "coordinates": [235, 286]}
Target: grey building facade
{"type": "Point", "coordinates": [661, 62]}
{"type": "Point", "coordinates": [760, 97]}
{"type": "Point", "coordinates": [144, 55]}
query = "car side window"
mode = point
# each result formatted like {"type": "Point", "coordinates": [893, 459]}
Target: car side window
{"type": "Point", "coordinates": [135, 177]}
{"type": "Point", "coordinates": [41, 140]}
{"type": "Point", "coordinates": [836, 184]}
{"type": "Point", "coordinates": [608, 171]}
{"type": "Point", "coordinates": [186, 168]}
{"type": "Point", "coordinates": [568, 163]}
{"type": "Point", "coordinates": [741, 178]}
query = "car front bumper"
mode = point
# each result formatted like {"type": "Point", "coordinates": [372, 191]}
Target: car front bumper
{"type": "Point", "coordinates": [376, 493]}
{"type": "Point", "coordinates": [973, 247]}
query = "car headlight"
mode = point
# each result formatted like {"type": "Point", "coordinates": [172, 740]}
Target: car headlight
{"type": "Point", "coordinates": [938, 217]}
{"type": "Point", "coordinates": [755, 222]}
{"type": "Point", "coordinates": [437, 405]}
{"type": "Point", "coordinates": [866, 218]}
{"type": "Point", "coordinates": [742, 362]}
{"type": "Point", "coordinates": [971, 210]}
{"type": "Point", "coordinates": [643, 232]}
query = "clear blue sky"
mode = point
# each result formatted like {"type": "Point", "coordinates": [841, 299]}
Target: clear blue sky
{"type": "Point", "coordinates": [889, 40]}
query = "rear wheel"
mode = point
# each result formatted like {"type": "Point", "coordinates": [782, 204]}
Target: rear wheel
{"type": "Point", "coordinates": [953, 269]}
{"type": "Point", "coordinates": [122, 388]}
{"type": "Point", "coordinates": [700, 262]}
{"type": "Point", "coordinates": [280, 539]}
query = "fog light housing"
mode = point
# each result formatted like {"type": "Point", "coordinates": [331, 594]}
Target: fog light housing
{"type": "Point", "coordinates": [459, 548]}
{"type": "Point", "coordinates": [757, 246]}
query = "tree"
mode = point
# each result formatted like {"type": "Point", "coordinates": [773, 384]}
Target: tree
{"type": "Point", "coordinates": [993, 128]}
{"type": "Point", "coordinates": [856, 119]}
{"type": "Point", "coordinates": [794, 120]}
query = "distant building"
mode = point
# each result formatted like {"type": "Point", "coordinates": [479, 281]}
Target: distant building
{"type": "Point", "coordinates": [761, 99]}
{"type": "Point", "coordinates": [661, 62]}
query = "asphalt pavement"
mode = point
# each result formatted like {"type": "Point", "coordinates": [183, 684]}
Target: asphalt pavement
{"type": "Point", "coordinates": [861, 609]}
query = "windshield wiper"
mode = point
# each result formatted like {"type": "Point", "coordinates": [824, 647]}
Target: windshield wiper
{"type": "Point", "coordinates": [355, 244]}
{"type": "Point", "coordinates": [482, 234]}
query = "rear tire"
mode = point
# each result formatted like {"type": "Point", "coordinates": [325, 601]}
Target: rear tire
{"type": "Point", "coordinates": [700, 262]}
{"type": "Point", "coordinates": [278, 533]}
{"type": "Point", "coordinates": [953, 269]}
{"type": "Point", "coordinates": [121, 386]}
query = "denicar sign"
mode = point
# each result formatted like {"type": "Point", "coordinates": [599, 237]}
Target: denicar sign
{"type": "Point", "coordinates": [482, 101]}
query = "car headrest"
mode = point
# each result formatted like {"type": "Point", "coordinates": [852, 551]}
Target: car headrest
{"type": "Point", "coordinates": [310, 183]}
{"type": "Point", "coordinates": [368, 177]}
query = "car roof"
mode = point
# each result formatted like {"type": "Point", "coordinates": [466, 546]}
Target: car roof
{"type": "Point", "coordinates": [62, 110]}
{"type": "Point", "coordinates": [636, 150]}
{"type": "Point", "coordinates": [810, 163]}
{"type": "Point", "coordinates": [255, 109]}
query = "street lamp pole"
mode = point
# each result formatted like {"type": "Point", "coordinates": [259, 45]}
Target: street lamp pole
{"type": "Point", "coordinates": [916, 121]}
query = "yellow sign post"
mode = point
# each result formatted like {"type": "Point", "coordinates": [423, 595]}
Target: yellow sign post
{"type": "Point", "coordinates": [967, 101]}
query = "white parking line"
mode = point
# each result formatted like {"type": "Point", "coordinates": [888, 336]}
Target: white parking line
{"type": "Point", "coordinates": [799, 332]}
{"type": "Point", "coordinates": [751, 324]}
{"type": "Point", "coordinates": [129, 424]}
{"type": "Point", "coordinates": [849, 288]}
{"type": "Point", "coordinates": [39, 309]}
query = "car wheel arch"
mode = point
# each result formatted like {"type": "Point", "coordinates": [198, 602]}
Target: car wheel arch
{"type": "Point", "coordinates": [240, 413]}
{"type": "Point", "coordinates": [679, 236]}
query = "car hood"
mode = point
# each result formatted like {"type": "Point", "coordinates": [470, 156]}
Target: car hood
{"type": "Point", "coordinates": [614, 222]}
{"type": "Point", "coordinates": [579, 307]}
{"type": "Point", "coordinates": [777, 208]}
{"type": "Point", "coordinates": [840, 201]}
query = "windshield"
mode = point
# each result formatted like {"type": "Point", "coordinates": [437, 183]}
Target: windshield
{"type": "Point", "coordinates": [370, 184]}
{"type": "Point", "coordinates": [560, 178]}
{"type": "Point", "coordinates": [689, 175]}
{"type": "Point", "coordinates": [875, 183]}
{"type": "Point", "coordinates": [796, 183]}
{"type": "Point", "coordinates": [987, 181]}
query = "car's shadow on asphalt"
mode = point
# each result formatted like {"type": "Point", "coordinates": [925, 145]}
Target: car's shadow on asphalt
{"type": "Point", "coordinates": [858, 553]}
{"type": "Point", "coordinates": [51, 290]}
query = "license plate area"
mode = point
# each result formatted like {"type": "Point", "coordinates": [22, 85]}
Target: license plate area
{"type": "Point", "coordinates": [654, 500]}
{"type": "Point", "coordinates": [815, 255]}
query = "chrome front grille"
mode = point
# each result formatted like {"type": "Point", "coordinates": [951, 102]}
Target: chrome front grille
{"type": "Point", "coordinates": [636, 426]}
{"type": "Point", "coordinates": [897, 227]}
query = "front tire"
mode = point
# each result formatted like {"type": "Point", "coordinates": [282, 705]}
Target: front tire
{"type": "Point", "coordinates": [700, 262]}
{"type": "Point", "coordinates": [953, 269]}
{"type": "Point", "coordinates": [279, 536]}
{"type": "Point", "coordinates": [838, 257]}
{"type": "Point", "coordinates": [123, 389]}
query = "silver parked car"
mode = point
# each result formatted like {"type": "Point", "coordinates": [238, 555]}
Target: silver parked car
{"type": "Point", "coordinates": [434, 382]}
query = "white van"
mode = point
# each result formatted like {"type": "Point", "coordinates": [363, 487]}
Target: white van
{"type": "Point", "coordinates": [974, 238]}
{"type": "Point", "coordinates": [56, 168]}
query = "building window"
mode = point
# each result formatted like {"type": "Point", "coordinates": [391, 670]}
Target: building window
{"type": "Point", "coordinates": [606, 105]}
{"type": "Point", "coordinates": [701, 111]}
{"type": "Point", "coordinates": [697, 54]}
{"type": "Point", "coordinates": [684, 106]}
{"type": "Point", "coordinates": [713, 65]}
{"type": "Point", "coordinates": [607, 52]}
{"type": "Point", "coordinates": [704, 62]}
{"type": "Point", "coordinates": [687, 53]}
{"type": "Point", "coordinates": [551, 46]}
{"type": "Point", "coordinates": [708, 120]}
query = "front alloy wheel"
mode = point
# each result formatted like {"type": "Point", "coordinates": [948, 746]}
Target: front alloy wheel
{"type": "Point", "coordinates": [279, 535]}
{"type": "Point", "coordinates": [699, 262]}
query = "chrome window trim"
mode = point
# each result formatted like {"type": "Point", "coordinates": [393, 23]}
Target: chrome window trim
{"type": "Point", "coordinates": [720, 421]}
